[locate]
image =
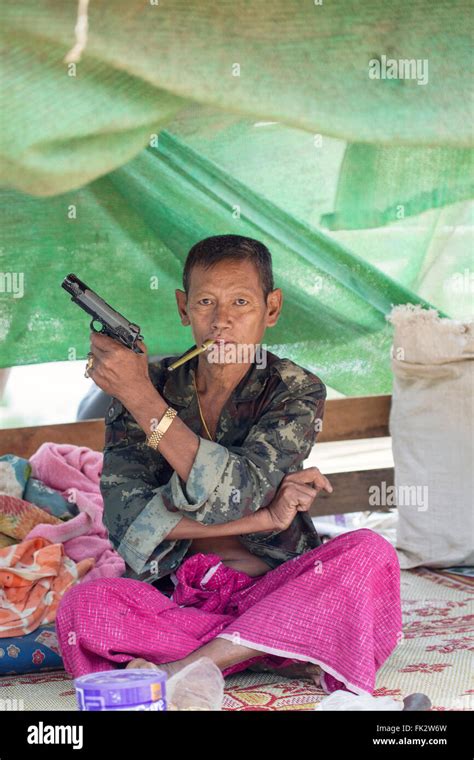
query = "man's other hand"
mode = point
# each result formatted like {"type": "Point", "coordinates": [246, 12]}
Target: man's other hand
{"type": "Point", "coordinates": [296, 493]}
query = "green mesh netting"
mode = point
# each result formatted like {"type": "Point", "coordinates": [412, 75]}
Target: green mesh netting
{"type": "Point", "coordinates": [358, 187]}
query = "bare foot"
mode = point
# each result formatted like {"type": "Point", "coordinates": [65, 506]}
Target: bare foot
{"type": "Point", "coordinates": [304, 670]}
{"type": "Point", "coordinates": [168, 667]}
{"type": "Point", "coordinates": [140, 663]}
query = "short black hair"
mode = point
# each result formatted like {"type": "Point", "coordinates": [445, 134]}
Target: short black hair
{"type": "Point", "coordinates": [209, 251]}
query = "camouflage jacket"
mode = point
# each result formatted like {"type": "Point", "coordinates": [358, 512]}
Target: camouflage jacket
{"type": "Point", "coordinates": [266, 429]}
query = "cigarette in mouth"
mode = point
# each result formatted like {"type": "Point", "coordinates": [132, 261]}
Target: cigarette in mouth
{"type": "Point", "coordinates": [191, 354]}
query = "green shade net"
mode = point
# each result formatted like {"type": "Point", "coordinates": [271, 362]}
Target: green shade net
{"type": "Point", "coordinates": [359, 188]}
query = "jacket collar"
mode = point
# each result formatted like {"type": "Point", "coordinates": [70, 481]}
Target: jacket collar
{"type": "Point", "coordinates": [179, 385]}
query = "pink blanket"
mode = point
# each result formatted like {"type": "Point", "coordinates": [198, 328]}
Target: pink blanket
{"type": "Point", "coordinates": [75, 472]}
{"type": "Point", "coordinates": [337, 606]}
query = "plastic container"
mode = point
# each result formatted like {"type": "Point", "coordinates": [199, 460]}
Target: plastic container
{"type": "Point", "coordinates": [198, 686]}
{"type": "Point", "coordinates": [128, 689]}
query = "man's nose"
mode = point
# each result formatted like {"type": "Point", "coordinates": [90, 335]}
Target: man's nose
{"type": "Point", "coordinates": [221, 317]}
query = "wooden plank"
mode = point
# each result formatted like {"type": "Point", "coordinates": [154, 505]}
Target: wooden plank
{"type": "Point", "coordinates": [356, 417]}
{"type": "Point", "coordinates": [344, 419]}
{"type": "Point", "coordinates": [351, 489]}
{"type": "Point", "coordinates": [351, 492]}
{"type": "Point", "coordinates": [25, 441]}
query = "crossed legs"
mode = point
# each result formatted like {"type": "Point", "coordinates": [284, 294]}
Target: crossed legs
{"type": "Point", "coordinates": [225, 653]}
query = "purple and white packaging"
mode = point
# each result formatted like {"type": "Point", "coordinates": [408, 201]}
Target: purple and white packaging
{"type": "Point", "coordinates": [128, 689]}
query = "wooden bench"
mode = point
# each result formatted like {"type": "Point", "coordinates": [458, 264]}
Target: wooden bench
{"type": "Point", "coordinates": [344, 420]}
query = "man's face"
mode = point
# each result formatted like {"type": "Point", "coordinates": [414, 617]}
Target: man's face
{"type": "Point", "coordinates": [227, 301]}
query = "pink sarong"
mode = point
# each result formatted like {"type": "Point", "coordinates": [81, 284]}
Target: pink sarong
{"type": "Point", "coordinates": [337, 606]}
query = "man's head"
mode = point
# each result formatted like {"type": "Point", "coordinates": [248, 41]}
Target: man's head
{"type": "Point", "coordinates": [228, 290]}
{"type": "Point", "coordinates": [218, 248]}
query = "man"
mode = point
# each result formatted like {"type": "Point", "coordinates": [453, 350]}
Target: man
{"type": "Point", "coordinates": [216, 513]}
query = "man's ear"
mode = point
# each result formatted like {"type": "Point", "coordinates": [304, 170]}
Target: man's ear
{"type": "Point", "coordinates": [274, 306]}
{"type": "Point", "coordinates": [181, 302]}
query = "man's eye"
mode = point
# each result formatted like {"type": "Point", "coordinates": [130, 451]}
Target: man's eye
{"type": "Point", "coordinates": [202, 301]}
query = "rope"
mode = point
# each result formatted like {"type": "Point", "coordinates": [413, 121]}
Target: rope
{"type": "Point", "coordinates": [74, 55]}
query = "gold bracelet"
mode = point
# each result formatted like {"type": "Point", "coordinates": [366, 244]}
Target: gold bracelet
{"type": "Point", "coordinates": [154, 439]}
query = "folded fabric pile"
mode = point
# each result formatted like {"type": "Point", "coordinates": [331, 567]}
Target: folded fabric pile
{"type": "Point", "coordinates": [18, 517]}
{"type": "Point", "coordinates": [26, 501]}
{"type": "Point", "coordinates": [52, 534]}
{"type": "Point", "coordinates": [75, 472]}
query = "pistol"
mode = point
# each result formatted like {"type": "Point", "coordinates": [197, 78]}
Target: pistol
{"type": "Point", "coordinates": [113, 323]}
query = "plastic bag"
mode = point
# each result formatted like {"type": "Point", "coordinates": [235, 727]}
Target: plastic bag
{"type": "Point", "coordinates": [198, 686]}
{"type": "Point", "coordinates": [344, 700]}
